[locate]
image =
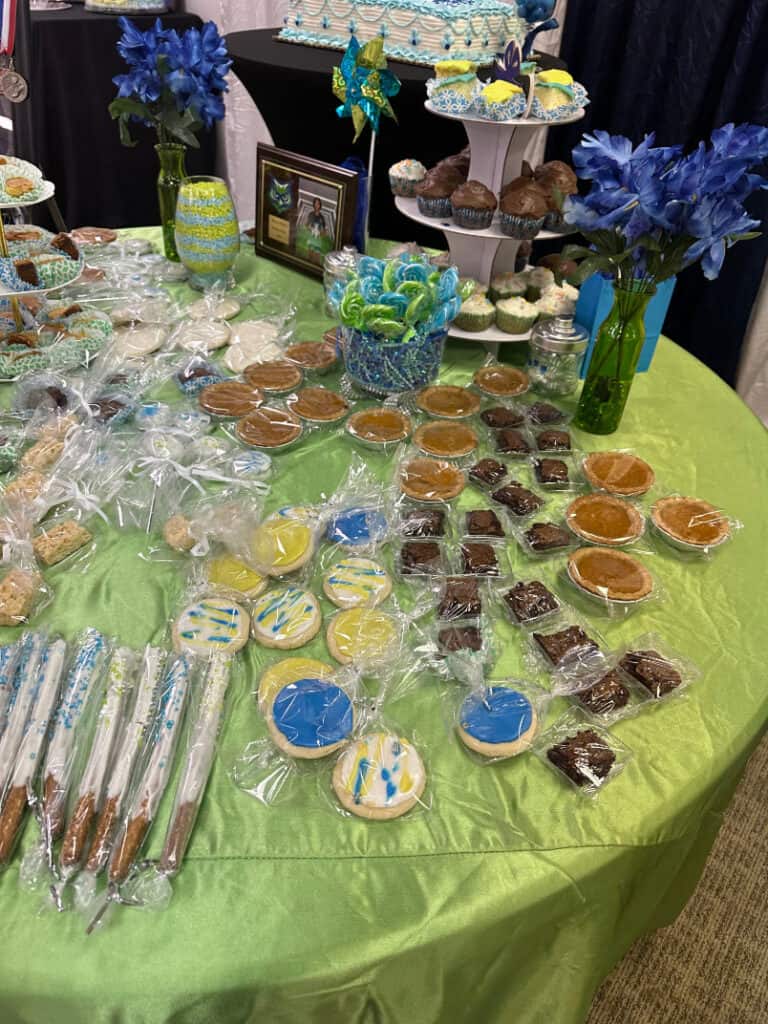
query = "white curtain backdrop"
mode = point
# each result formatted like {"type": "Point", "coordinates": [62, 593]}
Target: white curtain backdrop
{"type": "Point", "coordinates": [243, 126]}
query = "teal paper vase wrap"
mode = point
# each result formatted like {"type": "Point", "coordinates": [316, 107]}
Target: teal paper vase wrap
{"type": "Point", "coordinates": [207, 232]}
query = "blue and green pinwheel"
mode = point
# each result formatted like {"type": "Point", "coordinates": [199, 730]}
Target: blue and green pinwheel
{"type": "Point", "coordinates": [364, 85]}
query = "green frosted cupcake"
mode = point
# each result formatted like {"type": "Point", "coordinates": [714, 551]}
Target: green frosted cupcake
{"type": "Point", "coordinates": [507, 286]}
{"type": "Point", "coordinates": [476, 314]}
{"type": "Point", "coordinates": [539, 279]}
{"type": "Point", "coordinates": [515, 316]}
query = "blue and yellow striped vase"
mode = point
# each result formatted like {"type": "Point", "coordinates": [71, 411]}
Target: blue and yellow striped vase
{"type": "Point", "coordinates": [207, 232]}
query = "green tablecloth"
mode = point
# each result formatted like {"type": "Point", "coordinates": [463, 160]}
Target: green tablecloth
{"type": "Point", "coordinates": [513, 897]}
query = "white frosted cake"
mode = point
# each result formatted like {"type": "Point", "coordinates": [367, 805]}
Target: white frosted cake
{"type": "Point", "coordinates": [419, 31]}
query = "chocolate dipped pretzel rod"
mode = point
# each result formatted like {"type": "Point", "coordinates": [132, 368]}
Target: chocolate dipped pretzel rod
{"type": "Point", "coordinates": [197, 764]}
{"type": "Point", "coordinates": [9, 659]}
{"type": "Point", "coordinates": [51, 669]}
{"type": "Point", "coordinates": [21, 703]}
{"type": "Point", "coordinates": [133, 739]}
{"type": "Point", "coordinates": [154, 778]}
{"type": "Point", "coordinates": [91, 789]}
{"type": "Point", "coordinates": [83, 681]}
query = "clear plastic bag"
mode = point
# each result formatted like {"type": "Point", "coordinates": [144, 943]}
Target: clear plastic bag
{"type": "Point", "coordinates": [691, 527]}
{"type": "Point", "coordinates": [655, 670]}
{"type": "Point", "coordinates": [562, 640]}
{"type": "Point", "coordinates": [41, 671]}
{"type": "Point", "coordinates": [582, 753]}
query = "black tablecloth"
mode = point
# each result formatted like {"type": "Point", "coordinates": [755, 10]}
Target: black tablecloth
{"type": "Point", "coordinates": [70, 134]}
{"type": "Point", "coordinates": [291, 85]}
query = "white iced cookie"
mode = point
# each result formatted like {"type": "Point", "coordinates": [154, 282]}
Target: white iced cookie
{"type": "Point", "coordinates": [211, 624]}
{"type": "Point", "coordinates": [203, 335]}
{"type": "Point", "coordinates": [249, 342]}
{"type": "Point", "coordinates": [138, 341]}
{"type": "Point", "coordinates": [220, 309]}
{"type": "Point", "coordinates": [210, 447]}
{"type": "Point", "coordinates": [252, 464]}
{"type": "Point", "coordinates": [356, 581]}
{"type": "Point", "coordinates": [379, 776]}
{"type": "Point", "coordinates": [285, 618]}
{"type": "Point", "coordinates": [145, 310]}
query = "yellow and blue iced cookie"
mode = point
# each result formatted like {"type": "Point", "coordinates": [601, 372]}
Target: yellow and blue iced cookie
{"type": "Point", "coordinates": [379, 776]}
{"type": "Point", "coordinates": [285, 618]}
{"type": "Point", "coordinates": [351, 582]}
{"type": "Point", "coordinates": [229, 572]}
{"type": "Point", "coordinates": [211, 624]}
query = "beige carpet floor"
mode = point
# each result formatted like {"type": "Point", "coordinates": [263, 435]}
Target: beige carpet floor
{"type": "Point", "coordinates": [711, 965]}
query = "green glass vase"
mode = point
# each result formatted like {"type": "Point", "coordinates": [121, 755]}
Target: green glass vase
{"type": "Point", "coordinates": [172, 173]}
{"type": "Point", "coordinates": [614, 361]}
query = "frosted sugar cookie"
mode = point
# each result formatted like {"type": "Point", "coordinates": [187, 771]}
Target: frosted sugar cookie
{"type": "Point", "coordinates": [362, 634]}
{"type": "Point", "coordinates": [379, 776]}
{"type": "Point", "coordinates": [287, 671]}
{"type": "Point", "coordinates": [218, 309]}
{"type": "Point", "coordinates": [497, 722]}
{"type": "Point", "coordinates": [211, 624]}
{"type": "Point", "coordinates": [310, 718]}
{"type": "Point", "coordinates": [357, 527]}
{"type": "Point", "coordinates": [203, 335]}
{"type": "Point", "coordinates": [282, 544]}
{"type": "Point", "coordinates": [356, 581]}
{"type": "Point", "coordinates": [228, 571]}
{"type": "Point", "coordinates": [138, 341]}
{"type": "Point", "coordinates": [285, 618]}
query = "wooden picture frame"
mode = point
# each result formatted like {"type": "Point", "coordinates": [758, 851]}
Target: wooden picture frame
{"type": "Point", "coordinates": [305, 208]}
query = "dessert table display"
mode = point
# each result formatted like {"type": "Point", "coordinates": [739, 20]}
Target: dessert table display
{"type": "Point", "coordinates": [289, 902]}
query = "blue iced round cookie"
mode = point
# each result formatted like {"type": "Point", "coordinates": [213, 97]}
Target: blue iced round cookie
{"type": "Point", "coordinates": [497, 722]}
{"type": "Point", "coordinates": [357, 526]}
{"type": "Point", "coordinates": [310, 718]}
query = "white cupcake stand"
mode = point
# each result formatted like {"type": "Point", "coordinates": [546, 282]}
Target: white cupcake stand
{"type": "Point", "coordinates": [498, 150]}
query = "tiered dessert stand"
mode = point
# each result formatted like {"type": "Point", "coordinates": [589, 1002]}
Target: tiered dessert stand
{"type": "Point", "coordinates": [49, 190]}
{"type": "Point", "coordinates": [498, 149]}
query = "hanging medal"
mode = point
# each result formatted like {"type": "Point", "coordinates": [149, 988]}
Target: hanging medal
{"type": "Point", "coordinates": [13, 85]}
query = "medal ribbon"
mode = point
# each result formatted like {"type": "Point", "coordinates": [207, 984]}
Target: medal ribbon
{"type": "Point", "coordinates": [7, 26]}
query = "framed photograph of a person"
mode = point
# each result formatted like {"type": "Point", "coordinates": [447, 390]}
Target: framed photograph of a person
{"type": "Point", "coordinates": [304, 208]}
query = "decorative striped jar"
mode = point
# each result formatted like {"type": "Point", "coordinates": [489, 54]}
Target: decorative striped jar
{"type": "Point", "coordinates": [207, 232]}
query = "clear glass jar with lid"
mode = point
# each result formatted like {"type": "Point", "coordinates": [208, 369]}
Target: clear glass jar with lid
{"type": "Point", "coordinates": [556, 351]}
{"type": "Point", "coordinates": [338, 267]}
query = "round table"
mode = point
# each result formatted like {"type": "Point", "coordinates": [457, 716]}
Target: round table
{"type": "Point", "coordinates": [513, 896]}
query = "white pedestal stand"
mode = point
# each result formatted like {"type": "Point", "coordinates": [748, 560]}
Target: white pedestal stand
{"type": "Point", "coordinates": [498, 151]}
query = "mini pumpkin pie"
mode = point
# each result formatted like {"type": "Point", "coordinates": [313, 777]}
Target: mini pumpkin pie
{"type": "Point", "coordinates": [445, 438]}
{"type": "Point", "coordinates": [319, 405]}
{"type": "Point", "coordinates": [612, 575]}
{"type": "Point", "coordinates": [501, 381]}
{"type": "Point", "coordinates": [312, 355]}
{"type": "Point", "coordinates": [426, 479]}
{"type": "Point", "coordinates": [229, 398]}
{"type": "Point", "coordinates": [276, 375]}
{"type": "Point", "coordinates": [269, 427]}
{"type": "Point", "coordinates": [448, 401]}
{"type": "Point", "coordinates": [604, 519]}
{"type": "Point", "coordinates": [690, 521]}
{"type": "Point", "coordinates": [618, 473]}
{"type": "Point", "coordinates": [379, 426]}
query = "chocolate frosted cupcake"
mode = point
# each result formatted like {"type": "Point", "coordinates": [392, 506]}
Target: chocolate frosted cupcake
{"type": "Point", "coordinates": [433, 195]}
{"type": "Point", "coordinates": [558, 181]}
{"type": "Point", "coordinates": [523, 211]}
{"type": "Point", "coordinates": [473, 205]}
